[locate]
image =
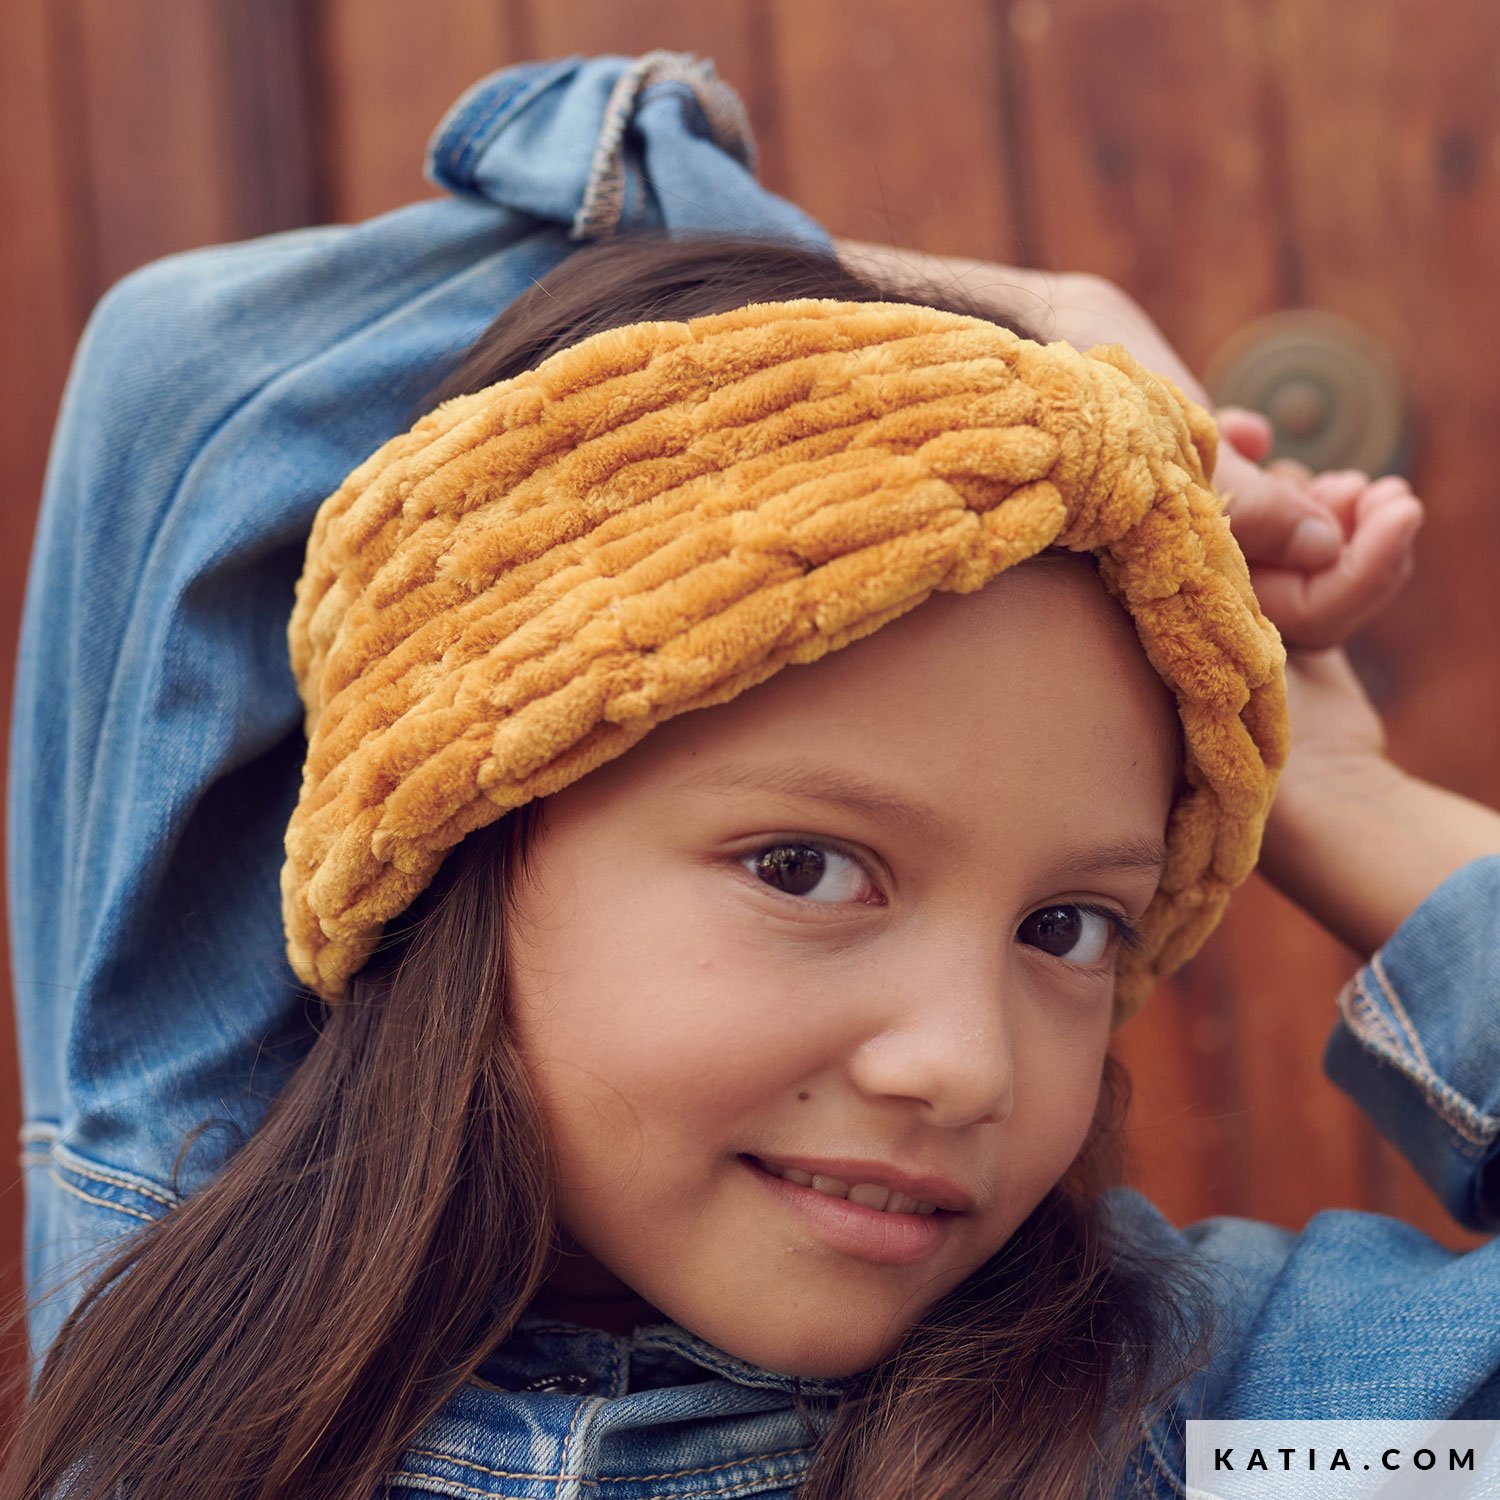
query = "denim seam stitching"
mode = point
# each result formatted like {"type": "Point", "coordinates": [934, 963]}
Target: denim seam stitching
{"type": "Point", "coordinates": [1472, 1124]}
{"type": "Point", "coordinates": [453, 1484]}
{"type": "Point", "coordinates": [1467, 1122]}
{"type": "Point", "coordinates": [1372, 1022]}
{"type": "Point", "coordinates": [469, 1463]}
{"type": "Point", "coordinates": [113, 1176]}
{"type": "Point", "coordinates": [43, 1148]}
{"type": "Point", "coordinates": [479, 1468]}
{"type": "Point", "coordinates": [579, 1410]}
{"type": "Point", "coordinates": [757, 1458]}
{"type": "Point", "coordinates": [1158, 1459]}
{"type": "Point", "coordinates": [733, 1370]}
{"type": "Point", "coordinates": [1399, 1011]}
{"type": "Point", "coordinates": [78, 1192]}
{"type": "Point", "coordinates": [506, 104]}
{"type": "Point", "coordinates": [617, 1370]}
{"type": "Point", "coordinates": [747, 1487]}
{"type": "Point", "coordinates": [722, 1492]}
{"type": "Point", "coordinates": [482, 123]}
{"type": "Point", "coordinates": [85, 1167]}
{"type": "Point", "coordinates": [603, 199]}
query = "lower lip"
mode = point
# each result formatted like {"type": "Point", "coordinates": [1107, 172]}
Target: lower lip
{"type": "Point", "coordinates": [865, 1233]}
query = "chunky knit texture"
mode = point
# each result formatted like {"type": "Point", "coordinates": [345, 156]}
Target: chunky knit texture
{"type": "Point", "coordinates": [665, 514]}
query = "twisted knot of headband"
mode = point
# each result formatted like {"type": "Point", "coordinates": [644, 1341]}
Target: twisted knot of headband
{"type": "Point", "coordinates": [665, 514]}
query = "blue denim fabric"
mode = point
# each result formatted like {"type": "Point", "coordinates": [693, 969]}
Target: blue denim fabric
{"type": "Point", "coordinates": [216, 397]}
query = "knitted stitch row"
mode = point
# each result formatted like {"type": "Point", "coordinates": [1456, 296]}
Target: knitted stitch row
{"type": "Point", "coordinates": [663, 515]}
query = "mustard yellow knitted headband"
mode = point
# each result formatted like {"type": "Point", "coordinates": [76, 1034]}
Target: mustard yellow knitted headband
{"type": "Point", "coordinates": [665, 514]}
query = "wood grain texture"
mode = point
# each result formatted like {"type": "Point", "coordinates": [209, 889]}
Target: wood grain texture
{"type": "Point", "coordinates": [42, 304]}
{"type": "Point", "coordinates": [893, 122]}
{"type": "Point", "coordinates": [150, 100]}
{"type": "Point", "coordinates": [1141, 129]}
{"type": "Point", "coordinates": [1218, 161]}
{"type": "Point", "coordinates": [1142, 160]}
{"type": "Point", "coordinates": [735, 35]}
{"type": "Point", "coordinates": [388, 70]}
{"type": "Point", "coordinates": [1395, 201]}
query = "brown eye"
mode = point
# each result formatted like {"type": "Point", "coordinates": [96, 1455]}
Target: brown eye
{"type": "Point", "coordinates": [793, 868]}
{"type": "Point", "coordinates": [798, 868]}
{"type": "Point", "coordinates": [1079, 934]}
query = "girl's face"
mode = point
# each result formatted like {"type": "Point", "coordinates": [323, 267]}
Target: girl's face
{"type": "Point", "coordinates": [864, 913]}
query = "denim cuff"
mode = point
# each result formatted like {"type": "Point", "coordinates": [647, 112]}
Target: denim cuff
{"type": "Point", "coordinates": [1417, 1042]}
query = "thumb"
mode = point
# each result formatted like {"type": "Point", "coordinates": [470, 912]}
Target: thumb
{"type": "Point", "coordinates": [1275, 519]}
{"type": "Point", "coordinates": [1248, 432]}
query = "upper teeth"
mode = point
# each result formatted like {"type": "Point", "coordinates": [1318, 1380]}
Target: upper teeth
{"type": "Point", "coordinates": [865, 1193]}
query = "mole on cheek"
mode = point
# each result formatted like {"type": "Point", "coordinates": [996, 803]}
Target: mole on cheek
{"type": "Point", "coordinates": [804, 1097]}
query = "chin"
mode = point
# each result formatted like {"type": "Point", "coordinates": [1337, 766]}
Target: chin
{"type": "Point", "coordinates": [819, 1350]}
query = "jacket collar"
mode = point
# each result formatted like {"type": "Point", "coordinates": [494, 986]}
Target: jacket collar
{"type": "Point", "coordinates": [549, 1353]}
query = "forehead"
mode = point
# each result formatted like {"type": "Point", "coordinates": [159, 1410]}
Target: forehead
{"type": "Point", "coordinates": [1035, 685]}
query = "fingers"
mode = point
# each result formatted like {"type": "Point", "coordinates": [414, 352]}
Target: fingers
{"type": "Point", "coordinates": [1320, 610]}
{"type": "Point", "coordinates": [1276, 519]}
{"type": "Point", "coordinates": [1247, 432]}
{"type": "Point", "coordinates": [1290, 468]}
{"type": "Point", "coordinates": [1347, 492]}
{"type": "Point", "coordinates": [1327, 551]}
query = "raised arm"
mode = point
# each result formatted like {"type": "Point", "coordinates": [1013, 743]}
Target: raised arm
{"type": "Point", "coordinates": [1353, 839]}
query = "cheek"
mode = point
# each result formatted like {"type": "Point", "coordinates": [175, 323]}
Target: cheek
{"type": "Point", "coordinates": [1059, 1075]}
{"type": "Point", "coordinates": [647, 1030]}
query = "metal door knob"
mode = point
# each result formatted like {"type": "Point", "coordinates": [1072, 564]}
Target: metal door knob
{"type": "Point", "coordinates": [1330, 388]}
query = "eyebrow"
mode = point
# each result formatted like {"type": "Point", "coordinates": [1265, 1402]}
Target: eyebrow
{"type": "Point", "coordinates": [848, 789]}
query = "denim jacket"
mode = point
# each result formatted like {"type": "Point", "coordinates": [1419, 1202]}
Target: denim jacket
{"type": "Point", "coordinates": [215, 398]}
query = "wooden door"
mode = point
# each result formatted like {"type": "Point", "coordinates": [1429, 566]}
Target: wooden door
{"type": "Point", "coordinates": [1218, 161]}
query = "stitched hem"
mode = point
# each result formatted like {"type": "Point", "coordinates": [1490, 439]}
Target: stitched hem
{"type": "Point", "coordinates": [418, 1479]}
{"type": "Point", "coordinates": [90, 1181]}
{"type": "Point", "coordinates": [603, 200]}
{"type": "Point", "coordinates": [1387, 1032]}
{"type": "Point", "coordinates": [1159, 1464]}
{"type": "Point", "coordinates": [78, 1192]}
{"type": "Point", "coordinates": [415, 1479]}
{"type": "Point", "coordinates": [612, 1479]}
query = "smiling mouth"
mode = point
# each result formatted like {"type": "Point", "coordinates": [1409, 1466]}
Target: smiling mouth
{"type": "Point", "coordinates": [867, 1195]}
{"type": "Point", "coordinates": [876, 1235]}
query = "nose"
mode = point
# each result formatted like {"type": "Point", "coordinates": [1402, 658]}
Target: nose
{"type": "Point", "coordinates": [945, 1039]}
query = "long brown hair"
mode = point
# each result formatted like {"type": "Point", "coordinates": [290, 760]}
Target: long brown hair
{"type": "Point", "coordinates": [286, 1330]}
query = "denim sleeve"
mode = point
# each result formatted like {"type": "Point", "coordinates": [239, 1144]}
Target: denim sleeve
{"type": "Point", "coordinates": [216, 396]}
{"type": "Point", "coordinates": [1356, 1314]}
{"type": "Point", "coordinates": [1417, 1042]}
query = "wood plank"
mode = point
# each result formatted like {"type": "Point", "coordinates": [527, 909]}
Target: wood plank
{"type": "Point", "coordinates": [891, 123]}
{"type": "Point", "coordinates": [388, 71]}
{"type": "Point", "coordinates": [273, 113]}
{"type": "Point", "coordinates": [735, 35]}
{"type": "Point", "coordinates": [1395, 195]}
{"type": "Point", "coordinates": [1140, 161]}
{"type": "Point", "coordinates": [1145, 159]}
{"type": "Point", "coordinates": [41, 307]}
{"type": "Point", "coordinates": [149, 93]}
{"type": "Point", "coordinates": [134, 131]}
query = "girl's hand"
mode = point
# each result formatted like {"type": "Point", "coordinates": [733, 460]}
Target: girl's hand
{"type": "Point", "coordinates": [1337, 735]}
{"type": "Point", "coordinates": [1352, 839]}
{"type": "Point", "coordinates": [1317, 592]}
{"type": "Point", "coordinates": [1336, 731]}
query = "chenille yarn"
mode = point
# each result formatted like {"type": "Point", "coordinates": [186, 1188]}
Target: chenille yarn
{"type": "Point", "coordinates": [662, 515]}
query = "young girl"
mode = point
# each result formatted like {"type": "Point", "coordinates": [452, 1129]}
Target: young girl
{"type": "Point", "coordinates": [733, 1114]}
